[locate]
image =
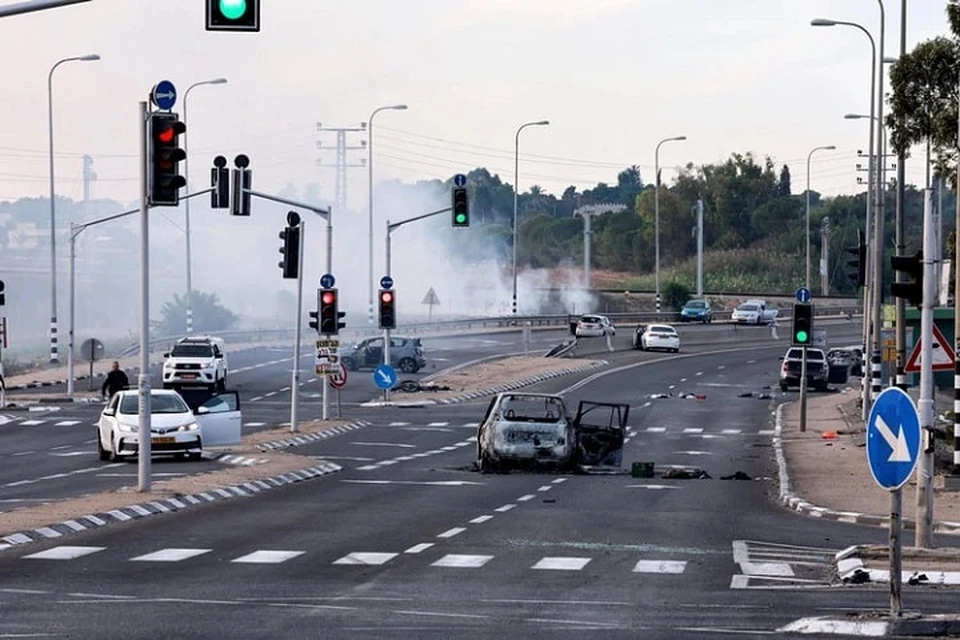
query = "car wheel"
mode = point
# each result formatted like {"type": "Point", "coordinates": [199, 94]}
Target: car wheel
{"type": "Point", "coordinates": [113, 456]}
{"type": "Point", "coordinates": [103, 454]}
{"type": "Point", "coordinates": [485, 464]}
{"type": "Point", "coordinates": [195, 455]}
{"type": "Point", "coordinates": [222, 384]}
{"type": "Point", "coordinates": [783, 386]}
{"type": "Point", "coordinates": [407, 365]}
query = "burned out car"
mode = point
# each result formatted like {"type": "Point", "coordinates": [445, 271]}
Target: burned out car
{"type": "Point", "coordinates": [535, 430]}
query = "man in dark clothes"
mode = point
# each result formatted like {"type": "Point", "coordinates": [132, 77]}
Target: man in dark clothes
{"type": "Point", "coordinates": [116, 381]}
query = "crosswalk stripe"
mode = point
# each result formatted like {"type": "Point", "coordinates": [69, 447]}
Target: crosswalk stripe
{"type": "Point", "coordinates": [462, 561]}
{"type": "Point", "coordinates": [732, 432]}
{"type": "Point", "coordinates": [398, 424]}
{"type": "Point", "coordinates": [659, 566]}
{"type": "Point", "coordinates": [63, 553]}
{"type": "Point", "coordinates": [656, 429]}
{"type": "Point", "coordinates": [561, 564]}
{"type": "Point", "coordinates": [693, 430]}
{"type": "Point", "coordinates": [66, 423]}
{"type": "Point", "coordinates": [32, 423]}
{"type": "Point", "coordinates": [365, 558]}
{"type": "Point", "coordinates": [265, 556]}
{"type": "Point", "coordinates": [171, 555]}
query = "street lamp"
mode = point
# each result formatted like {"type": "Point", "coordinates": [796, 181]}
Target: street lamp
{"type": "Point", "coordinates": [186, 219]}
{"type": "Point", "coordinates": [395, 107]}
{"type": "Point", "coordinates": [54, 355]}
{"type": "Point", "coordinates": [656, 210]}
{"type": "Point", "coordinates": [516, 197]}
{"type": "Point", "coordinates": [809, 155]}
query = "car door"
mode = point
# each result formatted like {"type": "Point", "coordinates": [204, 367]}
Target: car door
{"type": "Point", "coordinates": [108, 421]}
{"type": "Point", "coordinates": [600, 429]}
{"type": "Point", "coordinates": [373, 353]}
{"type": "Point", "coordinates": [220, 419]}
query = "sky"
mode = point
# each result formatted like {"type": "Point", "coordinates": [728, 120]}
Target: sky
{"type": "Point", "coordinates": [613, 77]}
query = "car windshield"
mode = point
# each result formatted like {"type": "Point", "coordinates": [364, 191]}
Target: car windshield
{"type": "Point", "coordinates": [165, 403]}
{"type": "Point", "coordinates": [532, 409]}
{"type": "Point", "coordinates": [591, 319]}
{"type": "Point", "coordinates": [747, 307]}
{"type": "Point", "coordinates": [696, 304]}
{"type": "Point", "coordinates": [192, 351]}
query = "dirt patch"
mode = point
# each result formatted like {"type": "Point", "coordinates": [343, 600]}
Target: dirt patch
{"type": "Point", "coordinates": [487, 375]}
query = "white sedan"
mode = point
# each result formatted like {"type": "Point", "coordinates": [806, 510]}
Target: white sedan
{"type": "Point", "coordinates": [592, 325]}
{"type": "Point", "coordinates": [660, 336]}
{"type": "Point", "coordinates": [174, 428]}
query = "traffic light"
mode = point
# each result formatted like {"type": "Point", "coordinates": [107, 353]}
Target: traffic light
{"type": "Point", "coordinates": [165, 155]}
{"type": "Point", "coordinates": [315, 320]}
{"type": "Point", "coordinates": [290, 250]}
{"type": "Point", "coordinates": [242, 183]}
{"type": "Point", "coordinates": [3, 296]}
{"type": "Point", "coordinates": [858, 265]}
{"type": "Point", "coordinates": [913, 267]}
{"type": "Point", "coordinates": [220, 181]}
{"type": "Point", "coordinates": [329, 312]}
{"type": "Point", "coordinates": [233, 15]}
{"type": "Point", "coordinates": [803, 324]}
{"type": "Point", "coordinates": [461, 210]}
{"type": "Point", "coordinates": [388, 309]}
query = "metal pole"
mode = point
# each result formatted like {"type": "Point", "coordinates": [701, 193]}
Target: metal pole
{"type": "Point", "coordinates": [295, 374]}
{"type": "Point", "coordinates": [825, 256]}
{"type": "Point", "coordinates": [899, 303]}
{"type": "Point", "coordinates": [656, 225]}
{"type": "Point", "coordinates": [324, 393]}
{"type": "Point", "coordinates": [516, 196]}
{"type": "Point", "coordinates": [806, 279]}
{"type": "Point", "coordinates": [699, 247]}
{"type": "Point", "coordinates": [54, 357]}
{"type": "Point", "coordinates": [896, 544]}
{"type": "Point", "coordinates": [956, 327]}
{"type": "Point", "coordinates": [925, 405]}
{"type": "Point", "coordinates": [186, 215]}
{"type": "Point", "coordinates": [803, 389]}
{"type": "Point", "coordinates": [386, 332]}
{"type": "Point", "coordinates": [878, 225]}
{"type": "Point", "coordinates": [143, 378]}
{"type": "Point", "coordinates": [586, 251]}
{"type": "Point", "coordinates": [70, 337]}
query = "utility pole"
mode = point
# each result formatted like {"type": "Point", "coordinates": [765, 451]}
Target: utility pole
{"type": "Point", "coordinates": [825, 256]}
{"type": "Point", "coordinates": [900, 240]}
{"type": "Point", "coordinates": [878, 246]}
{"type": "Point", "coordinates": [924, 532]}
{"type": "Point", "coordinates": [341, 164]}
{"type": "Point", "coordinates": [956, 327]}
{"type": "Point", "coordinates": [699, 209]}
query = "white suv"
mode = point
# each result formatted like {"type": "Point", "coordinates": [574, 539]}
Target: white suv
{"type": "Point", "coordinates": [196, 361]}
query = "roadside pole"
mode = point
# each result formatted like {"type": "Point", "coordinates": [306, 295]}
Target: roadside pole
{"type": "Point", "coordinates": [386, 332]}
{"type": "Point", "coordinates": [295, 374]}
{"type": "Point", "coordinates": [925, 405]}
{"type": "Point", "coordinates": [143, 378]}
{"type": "Point", "coordinates": [956, 331]}
{"type": "Point", "coordinates": [803, 389]}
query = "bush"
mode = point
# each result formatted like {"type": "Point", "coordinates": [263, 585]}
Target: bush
{"type": "Point", "coordinates": [675, 295]}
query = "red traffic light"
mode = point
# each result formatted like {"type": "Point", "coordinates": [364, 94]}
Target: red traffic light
{"type": "Point", "coordinates": [166, 135]}
{"type": "Point", "coordinates": [386, 296]}
{"type": "Point", "coordinates": [329, 297]}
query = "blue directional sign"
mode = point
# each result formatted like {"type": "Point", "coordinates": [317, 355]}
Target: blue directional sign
{"type": "Point", "coordinates": [327, 281]}
{"type": "Point", "coordinates": [893, 438]}
{"type": "Point", "coordinates": [164, 95]}
{"type": "Point", "coordinates": [803, 295]}
{"type": "Point", "coordinates": [385, 376]}
{"type": "Point", "coordinates": [460, 180]}
{"type": "Point", "coordinates": [386, 282]}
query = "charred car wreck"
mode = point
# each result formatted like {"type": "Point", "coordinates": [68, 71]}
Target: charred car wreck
{"type": "Point", "coordinates": [524, 430]}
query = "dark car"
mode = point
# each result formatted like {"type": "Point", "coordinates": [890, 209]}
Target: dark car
{"type": "Point", "coordinates": [406, 354]}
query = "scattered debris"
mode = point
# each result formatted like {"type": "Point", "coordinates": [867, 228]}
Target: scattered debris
{"type": "Point", "coordinates": [753, 394]}
{"type": "Point", "coordinates": [413, 386]}
{"type": "Point", "coordinates": [657, 396]}
{"type": "Point", "coordinates": [693, 396]}
{"type": "Point", "coordinates": [685, 474]}
{"type": "Point", "coordinates": [829, 435]}
{"type": "Point", "coordinates": [917, 578]}
{"type": "Point", "coordinates": [859, 576]}
{"type": "Point", "coordinates": [739, 475]}
{"type": "Point", "coordinates": [549, 500]}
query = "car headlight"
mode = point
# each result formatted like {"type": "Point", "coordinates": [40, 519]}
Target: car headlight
{"type": "Point", "coordinates": [189, 427]}
{"type": "Point", "coordinates": [126, 428]}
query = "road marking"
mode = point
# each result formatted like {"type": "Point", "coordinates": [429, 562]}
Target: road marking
{"type": "Point", "coordinates": [655, 487]}
{"type": "Point", "coordinates": [24, 453]}
{"type": "Point", "coordinates": [694, 453]}
{"type": "Point", "coordinates": [698, 373]}
{"type": "Point", "coordinates": [766, 432]}
{"type": "Point", "coordinates": [255, 398]}
{"type": "Point", "coordinates": [419, 548]}
{"type": "Point", "coordinates": [437, 424]}
{"type": "Point", "coordinates": [481, 519]}
{"type": "Point", "coordinates": [449, 533]}
{"type": "Point", "coordinates": [365, 558]}
{"type": "Point", "coordinates": [441, 429]}
{"type": "Point", "coordinates": [462, 561]}
{"type": "Point", "coordinates": [254, 424]}
{"type": "Point", "coordinates": [693, 430]}
{"type": "Point", "coordinates": [69, 454]}
{"type": "Point", "coordinates": [284, 389]}
{"type": "Point", "coordinates": [368, 467]}
{"type": "Point", "coordinates": [267, 557]}
{"type": "Point", "coordinates": [558, 481]}
{"type": "Point", "coordinates": [398, 424]}
{"type": "Point", "coordinates": [659, 566]}
{"type": "Point", "coordinates": [656, 429]}
{"type": "Point", "coordinates": [20, 483]}
{"type": "Point", "coordinates": [63, 553]}
{"type": "Point", "coordinates": [561, 564]}
{"type": "Point", "coordinates": [545, 487]}
{"type": "Point", "coordinates": [385, 444]}
{"type": "Point", "coordinates": [170, 555]}
{"type": "Point", "coordinates": [272, 393]}
{"type": "Point", "coordinates": [525, 498]}
{"type": "Point", "coordinates": [353, 458]}
{"type": "Point", "coordinates": [767, 569]}
{"type": "Point", "coordinates": [32, 423]}
{"type": "Point", "coordinates": [66, 423]}
{"type": "Point", "coordinates": [505, 508]}
{"type": "Point", "coordinates": [731, 432]}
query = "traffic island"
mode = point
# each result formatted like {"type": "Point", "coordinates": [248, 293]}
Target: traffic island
{"type": "Point", "coordinates": [877, 624]}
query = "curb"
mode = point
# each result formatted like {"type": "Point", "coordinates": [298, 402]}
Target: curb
{"type": "Point", "coordinates": [796, 503]}
{"type": "Point", "coordinates": [307, 438]}
{"type": "Point", "coordinates": [166, 505]}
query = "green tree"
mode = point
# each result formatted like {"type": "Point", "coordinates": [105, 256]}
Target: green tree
{"type": "Point", "coordinates": [208, 315]}
{"type": "Point", "coordinates": [783, 185]}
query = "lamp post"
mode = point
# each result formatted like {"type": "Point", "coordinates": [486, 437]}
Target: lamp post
{"type": "Point", "coordinates": [869, 288]}
{"type": "Point", "coordinates": [809, 155]}
{"type": "Point", "coordinates": [516, 197]}
{"type": "Point", "coordinates": [656, 211]}
{"type": "Point", "coordinates": [395, 107]}
{"type": "Point", "coordinates": [54, 355]}
{"type": "Point", "coordinates": [186, 215]}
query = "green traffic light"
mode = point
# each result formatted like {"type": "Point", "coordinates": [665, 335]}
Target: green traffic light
{"type": "Point", "coordinates": [802, 336]}
{"type": "Point", "coordinates": [233, 9]}
{"type": "Point", "coordinates": [461, 218]}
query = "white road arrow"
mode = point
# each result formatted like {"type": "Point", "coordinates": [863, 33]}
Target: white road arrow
{"type": "Point", "coordinates": [898, 443]}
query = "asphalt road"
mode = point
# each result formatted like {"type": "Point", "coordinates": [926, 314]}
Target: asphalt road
{"type": "Point", "coordinates": [408, 541]}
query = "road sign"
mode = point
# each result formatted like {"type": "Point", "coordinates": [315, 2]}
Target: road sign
{"type": "Point", "coordinates": [385, 376]}
{"type": "Point", "coordinates": [943, 358]}
{"type": "Point", "coordinates": [164, 95]}
{"type": "Point", "coordinates": [431, 297]}
{"type": "Point", "coordinates": [803, 295]}
{"type": "Point", "coordinates": [91, 350]}
{"type": "Point", "coordinates": [339, 379]}
{"type": "Point", "coordinates": [893, 438]}
{"type": "Point", "coordinates": [327, 361]}
{"type": "Point", "coordinates": [327, 281]}
{"type": "Point", "coordinates": [460, 180]}
{"type": "Point", "coordinates": [386, 282]}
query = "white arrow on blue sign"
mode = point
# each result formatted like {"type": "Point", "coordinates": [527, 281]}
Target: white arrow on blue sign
{"type": "Point", "coordinates": [164, 95]}
{"type": "Point", "coordinates": [893, 438]}
{"type": "Point", "coordinates": [386, 282]}
{"type": "Point", "coordinates": [803, 295]}
{"type": "Point", "coordinates": [385, 376]}
{"type": "Point", "coordinates": [460, 180]}
{"type": "Point", "coordinates": [327, 281]}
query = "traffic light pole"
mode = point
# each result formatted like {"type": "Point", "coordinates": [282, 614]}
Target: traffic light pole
{"type": "Point", "coordinates": [803, 390]}
{"type": "Point", "coordinates": [295, 375]}
{"type": "Point", "coordinates": [143, 378]}
{"type": "Point", "coordinates": [925, 467]}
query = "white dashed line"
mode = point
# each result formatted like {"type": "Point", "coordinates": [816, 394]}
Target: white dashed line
{"type": "Point", "coordinates": [545, 487]}
{"type": "Point", "coordinates": [525, 498]}
{"type": "Point", "coordinates": [505, 508]}
{"type": "Point", "coordinates": [419, 548]}
{"type": "Point", "coordinates": [481, 519]}
{"type": "Point", "coordinates": [272, 393]}
{"type": "Point", "coordinates": [449, 533]}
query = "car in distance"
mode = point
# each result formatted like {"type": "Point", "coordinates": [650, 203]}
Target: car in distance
{"type": "Point", "coordinates": [656, 336]}
{"type": "Point", "coordinates": [792, 363]}
{"type": "Point", "coordinates": [196, 361]}
{"type": "Point", "coordinates": [754, 312]}
{"type": "Point", "coordinates": [696, 311]}
{"type": "Point", "coordinates": [175, 428]}
{"type": "Point", "coordinates": [406, 354]}
{"type": "Point", "coordinates": [593, 325]}
{"type": "Point", "coordinates": [535, 430]}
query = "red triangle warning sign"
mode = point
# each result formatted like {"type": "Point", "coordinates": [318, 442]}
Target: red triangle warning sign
{"type": "Point", "coordinates": [943, 357]}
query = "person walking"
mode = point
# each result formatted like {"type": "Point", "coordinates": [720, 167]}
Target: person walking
{"type": "Point", "coordinates": [116, 381]}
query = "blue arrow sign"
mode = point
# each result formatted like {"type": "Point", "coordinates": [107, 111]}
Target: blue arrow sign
{"type": "Point", "coordinates": [893, 438]}
{"type": "Point", "coordinates": [386, 282]}
{"type": "Point", "coordinates": [460, 180]}
{"type": "Point", "coordinates": [385, 376]}
{"type": "Point", "coordinates": [164, 95]}
{"type": "Point", "coordinates": [327, 281]}
{"type": "Point", "coordinates": [803, 295]}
